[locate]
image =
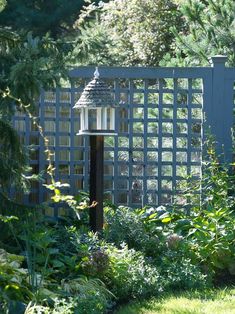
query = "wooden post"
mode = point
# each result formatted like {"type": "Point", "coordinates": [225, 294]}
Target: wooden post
{"type": "Point", "coordinates": [96, 181]}
{"type": "Point", "coordinates": [222, 108]}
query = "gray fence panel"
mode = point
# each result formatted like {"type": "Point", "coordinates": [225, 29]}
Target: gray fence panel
{"type": "Point", "coordinates": [163, 118]}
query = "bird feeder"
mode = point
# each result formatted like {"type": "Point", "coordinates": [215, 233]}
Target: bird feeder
{"type": "Point", "coordinates": [97, 114]}
{"type": "Point", "coordinates": [97, 109]}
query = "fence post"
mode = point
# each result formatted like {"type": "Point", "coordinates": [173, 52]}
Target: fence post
{"type": "Point", "coordinates": [221, 109]}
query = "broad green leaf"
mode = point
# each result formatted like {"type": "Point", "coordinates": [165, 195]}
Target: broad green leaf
{"type": "Point", "coordinates": [166, 220]}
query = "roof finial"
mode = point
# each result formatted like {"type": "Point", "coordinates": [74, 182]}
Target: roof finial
{"type": "Point", "coordinates": [96, 74]}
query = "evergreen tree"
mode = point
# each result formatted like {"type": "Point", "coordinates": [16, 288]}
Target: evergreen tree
{"type": "Point", "coordinates": [210, 31]}
{"type": "Point", "coordinates": [27, 64]}
{"type": "Point", "coordinates": [42, 16]}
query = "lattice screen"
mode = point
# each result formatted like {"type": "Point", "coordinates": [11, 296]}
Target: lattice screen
{"type": "Point", "coordinates": [158, 144]}
{"type": "Point", "coordinates": [159, 140]}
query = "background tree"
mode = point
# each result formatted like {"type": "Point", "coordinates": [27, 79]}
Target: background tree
{"type": "Point", "coordinates": [129, 32]}
{"type": "Point", "coordinates": [27, 64]}
{"type": "Point", "coordinates": [42, 16]}
{"type": "Point", "coordinates": [210, 31]}
{"type": "Point", "coordinates": [35, 51]}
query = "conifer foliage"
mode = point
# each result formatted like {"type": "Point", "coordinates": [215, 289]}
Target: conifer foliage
{"type": "Point", "coordinates": [210, 30]}
{"type": "Point", "coordinates": [27, 64]}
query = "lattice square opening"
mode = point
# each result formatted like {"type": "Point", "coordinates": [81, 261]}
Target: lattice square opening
{"type": "Point", "coordinates": [64, 155]}
{"type": "Point", "coordinates": [64, 112]}
{"type": "Point", "coordinates": [152, 170]}
{"type": "Point", "coordinates": [122, 184]}
{"type": "Point", "coordinates": [123, 141]}
{"type": "Point", "coordinates": [108, 170]}
{"type": "Point", "coordinates": [152, 142]}
{"type": "Point", "coordinates": [153, 127]}
{"type": "Point", "coordinates": [138, 98]}
{"type": "Point", "coordinates": [167, 156]}
{"type": "Point", "coordinates": [78, 169]}
{"type": "Point", "coordinates": [138, 113]}
{"type": "Point", "coordinates": [138, 142]}
{"type": "Point", "coordinates": [108, 184]}
{"type": "Point", "coordinates": [122, 197]}
{"type": "Point", "coordinates": [78, 154]}
{"type": "Point", "coordinates": [166, 171]}
{"type": "Point", "coordinates": [167, 99]}
{"type": "Point", "coordinates": [152, 184]}
{"type": "Point", "coordinates": [153, 113]}
{"type": "Point", "coordinates": [153, 99]}
{"type": "Point", "coordinates": [49, 126]}
{"type": "Point", "coordinates": [152, 156]}
{"type": "Point", "coordinates": [137, 170]}
{"type": "Point", "coordinates": [123, 170]}
{"type": "Point", "coordinates": [64, 140]}
{"type": "Point", "coordinates": [64, 169]}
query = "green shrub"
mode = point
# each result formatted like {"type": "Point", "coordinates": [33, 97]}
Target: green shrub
{"type": "Point", "coordinates": [212, 232]}
{"type": "Point", "coordinates": [13, 278]}
{"type": "Point", "coordinates": [129, 274]}
{"type": "Point", "coordinates": [209, 227]}
{"type": "Point", "coordinates": [14, 286]}
{"type": "Point", "coordinates": [126, 272]}
{"type": "Point", "coordinates": [180, 273]}
{"type": "Point", "coordinates": [128, 225]}
{"type": "Point", "coordinates": [170, 251]}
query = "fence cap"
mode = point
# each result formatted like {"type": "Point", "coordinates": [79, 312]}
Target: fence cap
{"type": "Point", "coordinates": [218, 59]}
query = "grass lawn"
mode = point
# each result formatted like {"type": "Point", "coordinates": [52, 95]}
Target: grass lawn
{"type": "Point", "coordinates": [209, 302]}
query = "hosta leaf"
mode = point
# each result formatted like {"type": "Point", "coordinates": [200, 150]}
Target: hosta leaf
{"type": "Point", "coordinates": [152, 216]}
{"type": "Point", "coordinates": [166, 220]}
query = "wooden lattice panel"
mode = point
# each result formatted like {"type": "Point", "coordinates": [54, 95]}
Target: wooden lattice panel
{"type": "Point", "coordinates": [160, 133]}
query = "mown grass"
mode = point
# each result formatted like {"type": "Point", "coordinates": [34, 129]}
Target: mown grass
{"type": "Point", "coordinates": [207, 302]}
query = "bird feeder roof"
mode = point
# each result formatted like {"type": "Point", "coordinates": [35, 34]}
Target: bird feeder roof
{"type": "Point", "coordinates": [95, 94]}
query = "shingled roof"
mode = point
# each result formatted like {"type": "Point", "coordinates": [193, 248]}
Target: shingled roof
{"type": "Point", "coordinates": [95, 94]}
